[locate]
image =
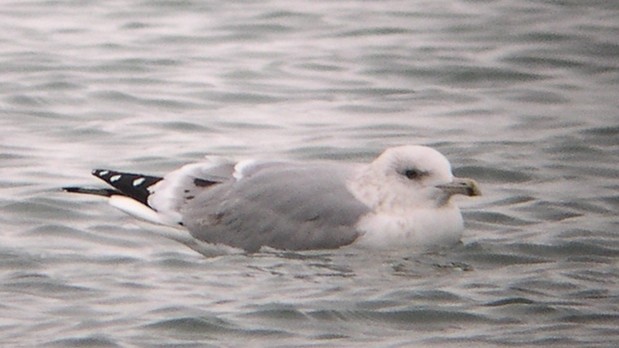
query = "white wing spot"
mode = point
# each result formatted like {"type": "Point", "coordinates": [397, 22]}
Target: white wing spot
{"type": "Point", "coordinates": [104, 172]}
{"type": "Point", "coordinates": [115, 178]}
{"type": "Point", "coordinates": [139, 181]}
{"type": "Point", "coordinates": [241, 167]}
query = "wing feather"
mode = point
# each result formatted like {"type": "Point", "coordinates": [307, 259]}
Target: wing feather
{"type": "Point", "coordinates": [284, 206]}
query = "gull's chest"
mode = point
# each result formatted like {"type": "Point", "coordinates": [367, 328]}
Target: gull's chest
{"type": "Point", "coordinates": [418, 228]}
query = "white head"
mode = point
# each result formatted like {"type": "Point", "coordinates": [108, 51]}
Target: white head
{"type": "Point", "coordinates": [411, 177]}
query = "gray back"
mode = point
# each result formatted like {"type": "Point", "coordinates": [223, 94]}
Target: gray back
{"type": "Point", "coordinates": [283, 205]}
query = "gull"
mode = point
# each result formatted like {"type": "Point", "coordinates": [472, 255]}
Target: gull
{"type": "Point", "coordinates": [402, 199]}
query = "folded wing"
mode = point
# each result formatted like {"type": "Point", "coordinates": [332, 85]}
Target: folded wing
{"type": "Point", "coordinates": [280, 205]}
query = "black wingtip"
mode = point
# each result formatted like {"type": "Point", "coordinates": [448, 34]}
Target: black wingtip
{"type": "Point", "coordinates": [91, 191]}
{"type": "Point", "coordinates": [103, 174]}
{"type": "Point", "coordinates": [130, 184]}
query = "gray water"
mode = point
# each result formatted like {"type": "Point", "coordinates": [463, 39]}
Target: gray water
{"type": "Point", "coordinates": [520, 95]}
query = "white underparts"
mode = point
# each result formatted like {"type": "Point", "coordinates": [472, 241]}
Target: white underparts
{"type": "Point", "coordinates": [134, 208]}
{"type": "Point", "coordinates": [420, 228]}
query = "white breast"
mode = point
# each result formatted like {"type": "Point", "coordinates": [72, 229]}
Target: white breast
{"type": "Point", "coordinates": [419, 229]}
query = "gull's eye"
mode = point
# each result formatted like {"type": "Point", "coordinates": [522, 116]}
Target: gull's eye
{"type": "Point", "coordinates": [413, 174]}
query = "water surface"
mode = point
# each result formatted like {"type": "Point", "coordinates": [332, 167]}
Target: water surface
{"type": "Point", "coordinates": [520, 95]}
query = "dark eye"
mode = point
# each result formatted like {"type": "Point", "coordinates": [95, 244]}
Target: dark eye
{"type": "Point", "coordinates": [413, 174]}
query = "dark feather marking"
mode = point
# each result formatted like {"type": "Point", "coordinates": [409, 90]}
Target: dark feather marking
{"type": "Point", "coordinates": [92, 191]}
{"type": "Point", "coordinates": [203, 182]}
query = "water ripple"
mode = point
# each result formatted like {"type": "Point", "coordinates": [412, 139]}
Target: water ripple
{"type": "Point", "coordinates": [520, 96]}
